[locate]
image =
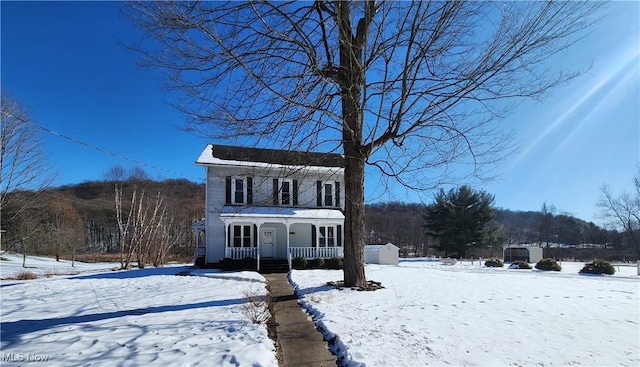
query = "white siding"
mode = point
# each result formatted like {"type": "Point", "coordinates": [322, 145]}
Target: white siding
{"type": "Point", "coordinates": [301, 236]}
{"type": "Point", "coordinates": [262, 196]}
{"type": "Point", "coordinates": [215, 227]}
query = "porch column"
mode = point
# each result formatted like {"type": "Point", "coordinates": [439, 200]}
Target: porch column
{"type": "Point", "coordinates": [287, 224]}
{"type": "Point", "coordinates": [226, 237]}
{"type": "Point", "coordinates": [258, 225]}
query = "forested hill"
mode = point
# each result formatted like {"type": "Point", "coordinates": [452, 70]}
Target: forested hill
{"type": "Point", "coordinates": [84, 215]}
{"type": "Point", "coordinates": [96, 199]}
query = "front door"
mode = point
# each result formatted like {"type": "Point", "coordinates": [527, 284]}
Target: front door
{"type": "Point", "coordinates": [268, 242]}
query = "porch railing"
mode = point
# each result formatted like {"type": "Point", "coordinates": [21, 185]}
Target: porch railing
{"type": "Point", "coordinates": [237, 253]}
{"type": "Point", "coordinates": [316, 252]}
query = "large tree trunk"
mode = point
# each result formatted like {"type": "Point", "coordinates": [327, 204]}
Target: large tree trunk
{"type": "Point", "coordinates": [350, 78]}
{"type": "Point", "coordinates": [354, 220]}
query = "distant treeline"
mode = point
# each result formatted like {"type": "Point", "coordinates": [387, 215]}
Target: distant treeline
{"type": "Point", "coordinates": [402, 224]}
{"type": "Point", "coordinates": [81, 218]}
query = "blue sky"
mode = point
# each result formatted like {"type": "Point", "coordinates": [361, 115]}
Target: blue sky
{"type": "Point", "coordinates": [63, 61]}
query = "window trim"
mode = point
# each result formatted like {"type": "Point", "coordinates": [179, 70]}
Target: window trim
{"type": "Point", "coordinates": [278, 192]}
{"type": "Point", "coordinates": [232, 192]}
{"type": "Point", "coordinates": [323, 239]}
{"type": "Point", "coordinates": [289, 183]}
{"type": "Point", "coordinates": [244, 239]}
{"type": "Point", "coordinates": [331, 199]}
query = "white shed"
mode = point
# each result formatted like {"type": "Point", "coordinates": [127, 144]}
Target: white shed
{"type": "Point", "coordinates": [528, 253]}
{"type": "Point", "coordinates": [387, 254]}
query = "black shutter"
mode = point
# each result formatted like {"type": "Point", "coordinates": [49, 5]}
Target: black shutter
{"type": "Point", "coordinates": [255, 235]}
{"type": "Point", "coordinates": [313, 236]}
{"type": "Point", "coordinates": [228, 190]}
{"type": "Point", "coordinates": [274, 193]}
{"type": "Point", "coordinates": [249, 190]}
{"type": "Point", "coordinates": [338, 193]}
{"type": "Point", "coordinates": [295, 192]}
{"type": "Point", "coordinates": [319, 193]}
{"type": "Point", "coordinates": [339, 235]}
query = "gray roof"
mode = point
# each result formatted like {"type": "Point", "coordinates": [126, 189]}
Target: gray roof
{"type": "Point", "coordinates": [275, 156]}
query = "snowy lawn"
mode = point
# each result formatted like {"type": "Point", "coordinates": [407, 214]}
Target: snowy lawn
{"type": "Point", "coordinates": [43, 266]}
{"type": "Point", "coordinates": [432, 314]}
{"type": "Point", "coordinates": [131, 318]}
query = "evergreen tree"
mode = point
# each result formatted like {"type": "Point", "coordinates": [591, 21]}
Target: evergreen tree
{"type": "Point", "coordinates": [460, 219]}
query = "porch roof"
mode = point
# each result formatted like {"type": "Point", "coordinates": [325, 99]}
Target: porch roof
{"type": "Point", "coordinates": [269, 212]}
{"type": "Point", "coordinates": [201, 224]}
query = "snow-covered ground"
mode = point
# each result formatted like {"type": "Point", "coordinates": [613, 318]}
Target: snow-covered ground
{"type": "Point", "coordinates": [45, 267]}
{"type": "Point", "coordinates": [130, 318]}
{"type": "Point", "coordinates": [428, 314]}
{"type": "Point", "coordinates": [468, 315]}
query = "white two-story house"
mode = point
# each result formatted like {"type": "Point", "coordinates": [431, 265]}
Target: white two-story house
{"type": "Point", "coordinates": [271, 204]}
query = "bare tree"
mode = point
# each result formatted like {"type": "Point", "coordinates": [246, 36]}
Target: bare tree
{"type": "Point", "coordinates": [137, 173]}
{"type": "Point", "coordinates": [548, 212]}
{"type": "Point", "coordinates": [146, 224]}
{"type": "Point", "coordinates": [66, 231]}
{"type": "Point", "coordinates": [169, 234]}
{"type": "Point", "coordinates": [124, 227]}
{"type": "Point", "coordinates": [137, 227]}
{"type": "Point", "coordinates": [408, 87]}
{"type": "Point", "coordinates": [116, 173]}
{"type": "Point", "coordinates": [24, 170]}
{"type": "Point", "coordinates": [26, 230]}
{"type": "Point", "coordinates": [623, 211]}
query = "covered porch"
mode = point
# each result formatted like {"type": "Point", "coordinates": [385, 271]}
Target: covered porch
{"type": "Point", "coordinates": [278, 233]}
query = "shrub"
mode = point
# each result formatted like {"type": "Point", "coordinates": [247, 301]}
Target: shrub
{"type": "Point", "coordinates": [333, 263]}
{"type": "Point", "coordinates": [256, 308]}
{"type": "Point", "coordinates": [494, 262]}
{"type": "Point", "coordinates": [227, 264]}
{"type": "Point", "coordinates": [598, 267]}
{"type": "Point", "coordinates": [548, 264]}
{"type": "Point", "coordinates": [26, 275]}
{"type": "Point", "coordinates": [315, 263]}
{"type": "Point", "coordinates": [248, 263]}
{"type": "Point", "coordinates": [519, 264]}
{"type": "Point", "coordinates": [299, 263]}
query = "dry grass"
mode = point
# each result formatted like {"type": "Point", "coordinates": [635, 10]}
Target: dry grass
{"type": "Point", "coordinates": [25, 275]}
{"type": "Point", "coordinates": [115, 257]}
{"type": "Point", "coordinates": [98, 258]}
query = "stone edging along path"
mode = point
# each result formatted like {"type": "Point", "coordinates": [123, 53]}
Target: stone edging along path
{"type": "Point", "coordinates": [299, 344]}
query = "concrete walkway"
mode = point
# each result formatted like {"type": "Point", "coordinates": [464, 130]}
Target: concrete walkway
{"type": "Point", "coordinates": [300, 344]}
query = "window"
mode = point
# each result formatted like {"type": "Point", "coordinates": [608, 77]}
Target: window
{"type": "Point", "coordinates": [285, 192]}
{"type": "Point", "coordinates": [327, 236]}
{"type": "Point", "coordinates": [239, 190]}
{"type": "Point", "coordinates": [242, 235]}
{"type": "Point", "coordinates": [328, 193]}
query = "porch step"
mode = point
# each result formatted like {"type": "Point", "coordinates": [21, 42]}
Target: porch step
{"type": "Point", "coordinates": [268, 266]}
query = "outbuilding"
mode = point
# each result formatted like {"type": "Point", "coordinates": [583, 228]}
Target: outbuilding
{"type": "Point", "coordinates": [383, 254]}
{"type": "Point", "coordinates": [529, 253]}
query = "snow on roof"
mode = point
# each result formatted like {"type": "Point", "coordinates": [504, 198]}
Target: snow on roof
{"type": "Point", "coordinates": [254, 157]}
{"type": "Point", "coordinates": [377, 247]}
{"type": "Point", "coordinates": [279, 212]}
